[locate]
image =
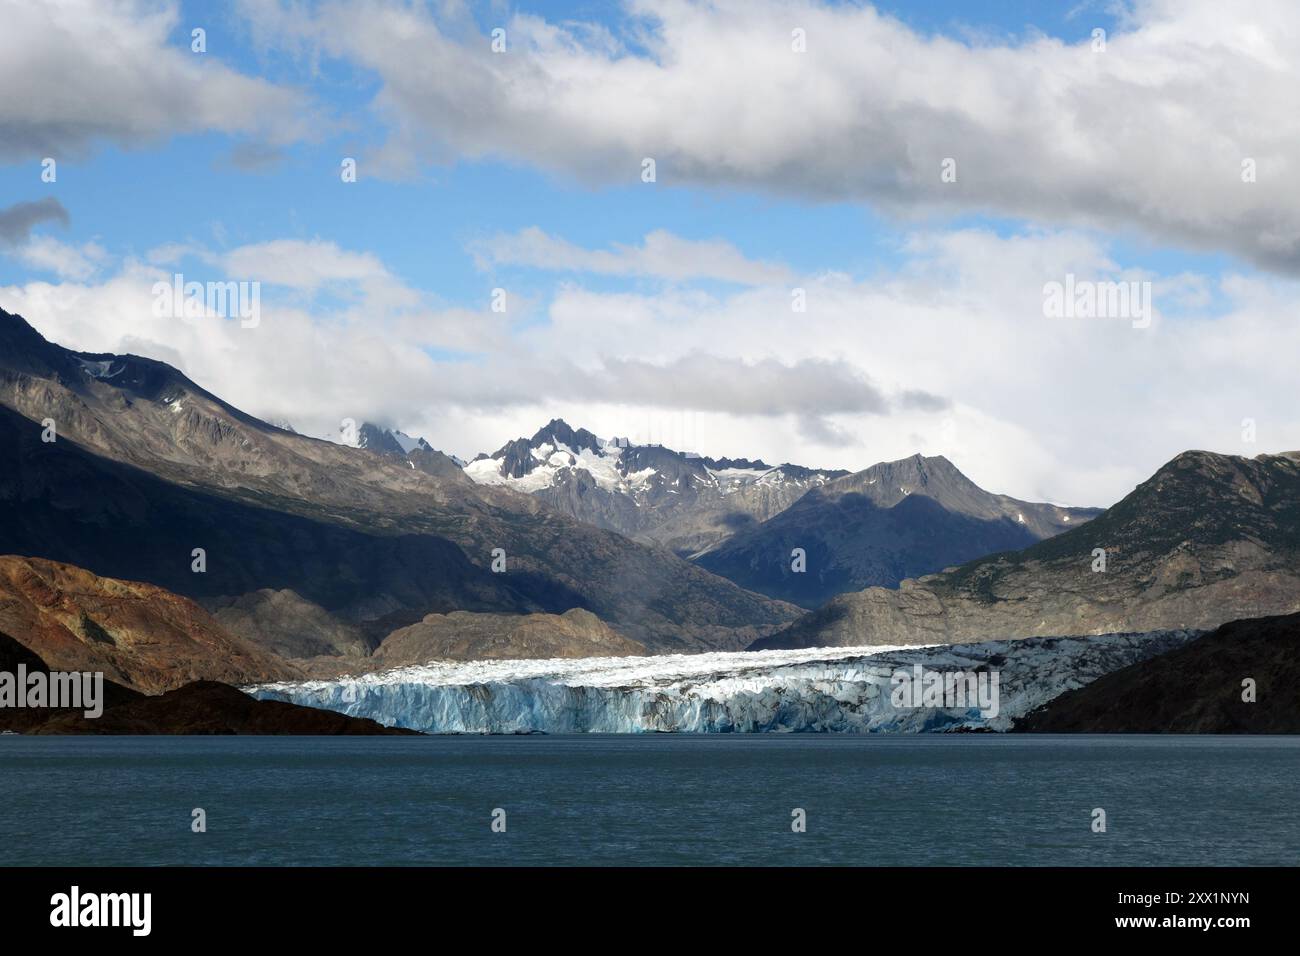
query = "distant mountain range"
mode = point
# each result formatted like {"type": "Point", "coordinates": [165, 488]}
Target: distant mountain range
{"type": "Point", "coordinates": [148, 466]}
{"type": "Point", "coordinates": [1208, 539]}
{"type": "Point", "coordinates": [895, 520]}
{"type": "Point", "coordinates": [647, 492]}
{"type": "Point", "coordinates": [163, 536]}
{"type": "Point", "coordinates": [744, 519]}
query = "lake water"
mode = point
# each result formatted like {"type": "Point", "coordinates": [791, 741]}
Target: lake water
{"type": "Point", "coordinates": [724, 799]}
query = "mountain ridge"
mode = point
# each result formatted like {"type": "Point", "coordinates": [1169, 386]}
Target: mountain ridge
{"type": "Point", "coordinates": [879, 526]}
{"type": "Point", "coordinates": [682, 501]}
{"type": "Point", "coordinates": [198, 459]}
{"type": "Point", "coordinates": [1207, 539]}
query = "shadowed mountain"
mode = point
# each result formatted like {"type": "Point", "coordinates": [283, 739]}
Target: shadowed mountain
{"type": "Point", "coordinates": [147, 466]}
{"type": "Point", "coordinates": [1208, 539]}
{"type": "Point", "coordinates": [59, 501]}
{"type": "Point", "coordinates": [1201, 688]}
{"type": "Point", "coordinates": [201, 707]}
{"type": "Point", "coordinates": [876, 527]}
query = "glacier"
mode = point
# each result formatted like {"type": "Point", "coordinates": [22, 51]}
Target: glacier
{"type": "Point", "coordinates": [830, 689]}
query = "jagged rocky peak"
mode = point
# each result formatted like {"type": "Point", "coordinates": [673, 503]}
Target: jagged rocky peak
{"type": "Point", "coordinates": [377, 438]}
{"type": "Point", "coordinates": [918, 469]}
{"type": "Point", "coordinates": [557, 437]}
{"type": "Point", "coordinates": [389, 440]}
{"type": "Point", "coordinates": [651, 492]}
{"type": "Point", "coordinates": [744, 464]}
{"type": "Point", "coordinates": [558, 444]}
{"type": "Point", "coordinates": [671, 465]}
{"type": "Point", "coordinates": [416, 452]}
{"type": "Point", "coordinates": [558, 432]}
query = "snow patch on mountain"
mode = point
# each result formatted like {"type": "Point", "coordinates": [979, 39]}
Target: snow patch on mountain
{"type": "Point", "coordinates": [407, 443]}
{"type": "Point", "coordinates": [606, 466]}
{"type": "Point", "coordinates": [551, 460]}
{"type": "Point", "coordinates": [843, 689]}
{"type": "Point", "coordinates": [101, 369]}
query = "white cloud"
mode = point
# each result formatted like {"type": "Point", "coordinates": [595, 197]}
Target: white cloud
{"type": "Point", "coordinates": [45, 253]}
{"type": "Point", "coordinates": [1152, 133]}
{"type": "Point", "coordinates": [67, 261]}
{"type": "Point", "coordinates": [662, 255]}
{"type": "Point", "coordinates": [301, 264]}
{"type": "Point", "coordinates": [76, 72]}
{"type": "Point", "coordinates": [950, 354]}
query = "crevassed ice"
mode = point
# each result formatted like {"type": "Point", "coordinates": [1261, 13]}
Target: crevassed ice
{"type": "Point", "coordinates": [843, 689]}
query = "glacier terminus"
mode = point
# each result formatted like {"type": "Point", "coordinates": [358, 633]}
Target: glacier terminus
{"type": "Point", "coordinates": [838, 690]}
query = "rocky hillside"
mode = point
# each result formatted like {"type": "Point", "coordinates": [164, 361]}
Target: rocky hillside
{"type": "Point", "coordinates": [148, 639]}
{"type": "Point", "coordinates": [148, 466]}
{"type": "Point", "coordinates": [1208, 539]}
{"type": "Point", "coordinates": [277, 620]}
{"type": "Point", "coordinates": [138, 635]}
{"type": "Point", "coordinates": [461, 636]}
{"type": "Point", "coordinates": [1196, 689]}
{"type": "Point", "coordinates": [285, 623]}
{"type": "Point", "coordinates": [895, 520]}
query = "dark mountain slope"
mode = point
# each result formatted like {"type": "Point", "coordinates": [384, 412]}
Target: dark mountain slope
{"type": "Point", "coordinates": [876, 527]}
{"type": "Point", "coordinates": [202, 707]}
{"type": "Point", "coordinates": [59, 501]}
{"type": "Point", "coordinates": [1208, 539]}
{"type": "Point", "coordinates": [1196, 689]}
{"type": "Point", "coordinates": [154, 463]}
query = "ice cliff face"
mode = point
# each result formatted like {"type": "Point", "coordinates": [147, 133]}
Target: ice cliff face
{"type": "Point", "coordinates": [817, 689]}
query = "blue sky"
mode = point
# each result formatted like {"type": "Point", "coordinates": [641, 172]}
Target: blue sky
{"type": "Point", "coordinates": [667, 302]}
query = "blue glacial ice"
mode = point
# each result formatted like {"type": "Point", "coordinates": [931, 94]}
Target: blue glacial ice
{"type": "Point", "coordinates": [835, 689]}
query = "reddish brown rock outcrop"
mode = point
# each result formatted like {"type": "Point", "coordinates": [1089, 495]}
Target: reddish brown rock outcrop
{"type": "Point", "coordinates": [138, 635]}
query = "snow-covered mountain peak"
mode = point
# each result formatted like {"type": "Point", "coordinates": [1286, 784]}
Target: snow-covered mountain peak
{"type": "Point", "coordinates": [613, 464]}
{"type": "Point", "coordinates": [393, 443]}
{"type": "Point", "coordinates": [653, 492]}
